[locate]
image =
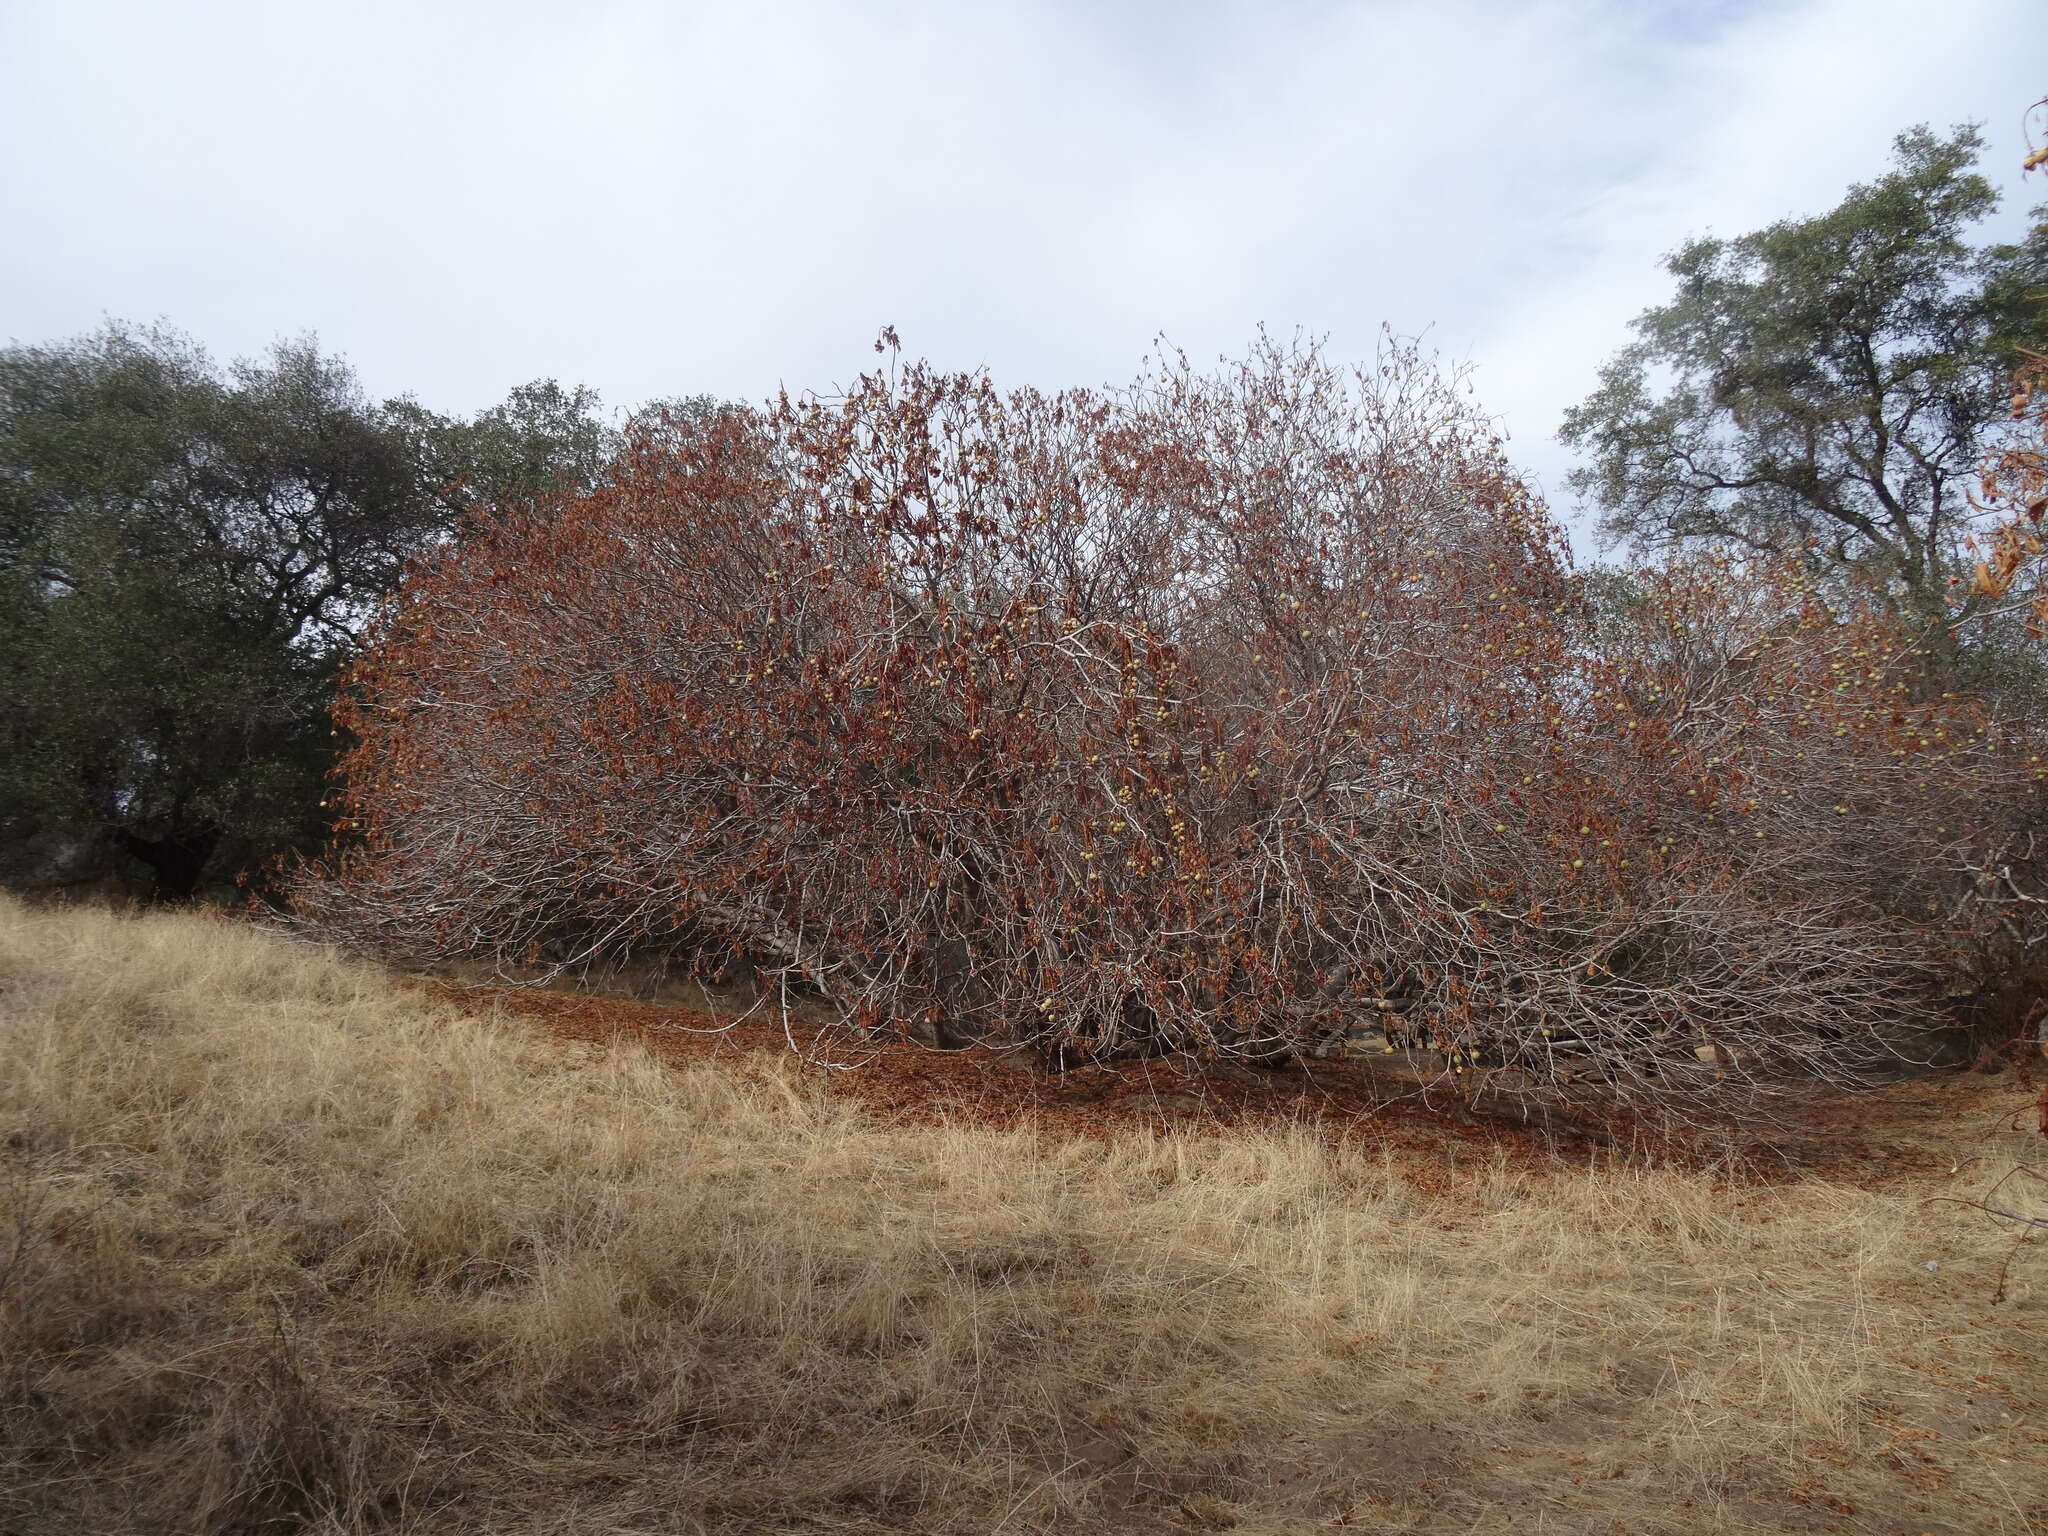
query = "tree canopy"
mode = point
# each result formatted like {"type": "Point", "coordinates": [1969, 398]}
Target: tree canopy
{"type": "Point", "coordinates": [1827, 386]}
{"type": "Point", "coordinates": [187, 554]}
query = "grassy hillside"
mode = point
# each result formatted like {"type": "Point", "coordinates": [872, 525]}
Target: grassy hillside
{"type": "Point", "coordinates": [287, 1245]}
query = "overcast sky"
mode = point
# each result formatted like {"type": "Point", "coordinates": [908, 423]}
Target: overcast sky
{"type": "Point", "coordinates": [679, 198]}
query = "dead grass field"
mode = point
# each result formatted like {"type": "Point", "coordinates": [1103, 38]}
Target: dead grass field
{"type": "Point", "coordinates": [287, 1245]}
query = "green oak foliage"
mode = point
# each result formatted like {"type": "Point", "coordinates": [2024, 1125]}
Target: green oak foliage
{"type": "Point", "coordinates": [540, 439]}
{"type": "Point", "coordinates": [1826, 384]}
{"type": "Point", "coordinates": [187, 555]}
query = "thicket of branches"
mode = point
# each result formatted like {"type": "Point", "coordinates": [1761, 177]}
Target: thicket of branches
{"type": "Point", "coordinates": [1223, 714]}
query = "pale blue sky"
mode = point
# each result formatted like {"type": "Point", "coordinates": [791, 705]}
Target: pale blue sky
{"type": "Point", "coordinates": [673, 198]}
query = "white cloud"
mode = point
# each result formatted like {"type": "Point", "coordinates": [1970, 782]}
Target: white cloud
{"type": "Point", "coordinates": [657, 198]}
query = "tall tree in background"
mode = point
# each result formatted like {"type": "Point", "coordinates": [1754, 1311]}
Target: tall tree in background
{"type": "Point", "coordinates": [542, 440]}
{"type": "Point", "coordinates": [187, 553]}
{"type": "Point", "coordinates": [1828, 384]}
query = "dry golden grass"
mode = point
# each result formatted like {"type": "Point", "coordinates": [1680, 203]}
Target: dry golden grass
{"type": "Point", "coordinates": [286, 1246]}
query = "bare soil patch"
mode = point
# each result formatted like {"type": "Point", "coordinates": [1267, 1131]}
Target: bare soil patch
{"type": "Point", "coordinates": [1903, 1130]}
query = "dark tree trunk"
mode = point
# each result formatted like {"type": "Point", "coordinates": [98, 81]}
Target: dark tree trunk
{"type": "Point", "coordinates": [177, 862]}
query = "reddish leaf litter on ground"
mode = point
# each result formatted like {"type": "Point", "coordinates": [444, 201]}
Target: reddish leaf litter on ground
{"type": "Point", "coordinates": [1873, 1138]}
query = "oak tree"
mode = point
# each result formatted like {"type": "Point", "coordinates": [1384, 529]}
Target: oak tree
{"type": "Point", "coordinates": [187, 554]}
{"type": "Point", "coordinates": [1826, 387]}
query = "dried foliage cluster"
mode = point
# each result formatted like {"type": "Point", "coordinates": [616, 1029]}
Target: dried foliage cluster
{"type": "Point", "coordinates": [1228, 714]}
{"type": "Point", "coordinates": [2013, 570]}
